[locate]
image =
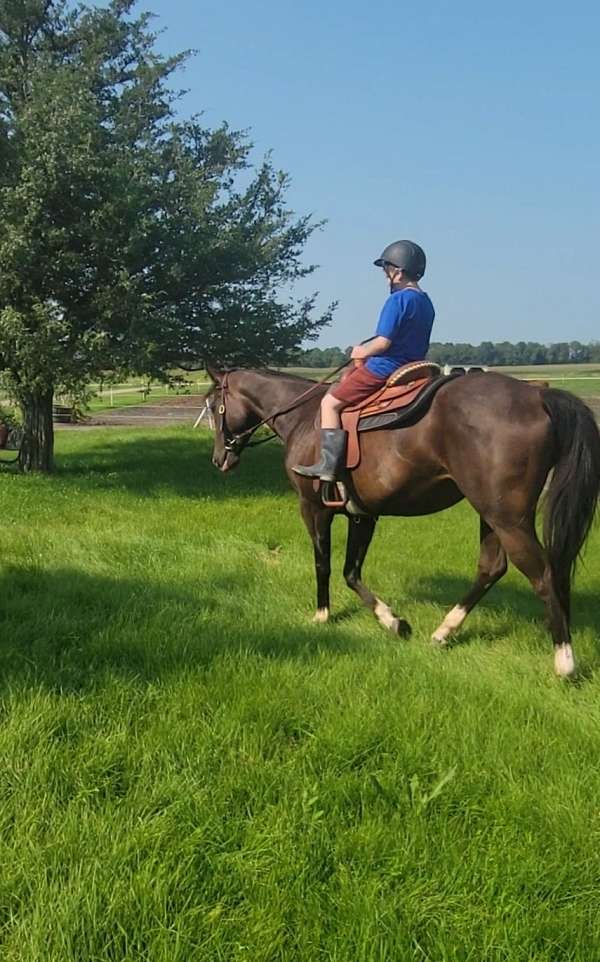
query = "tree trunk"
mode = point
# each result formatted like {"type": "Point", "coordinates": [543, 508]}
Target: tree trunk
{"type": "Point", "coordinates": [37, 448]}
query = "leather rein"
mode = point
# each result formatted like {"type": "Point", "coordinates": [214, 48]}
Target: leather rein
{"type": "Point", "coordinates": [235, 443]}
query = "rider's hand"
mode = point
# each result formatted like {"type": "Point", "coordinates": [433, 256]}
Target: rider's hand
{"type": "Point", "coordinates": [358, 353]}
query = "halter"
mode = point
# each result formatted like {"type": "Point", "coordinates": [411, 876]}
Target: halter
{"type": "Point", "coordinates": [235, 443]}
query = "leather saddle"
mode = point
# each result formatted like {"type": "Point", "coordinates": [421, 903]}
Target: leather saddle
{"type": "Point", "coordinates": [404, 398]}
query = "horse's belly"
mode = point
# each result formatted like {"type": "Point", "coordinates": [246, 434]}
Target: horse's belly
{"type": "Point", "coordinates": [409, 489]}
{"type": "Point", "coordinates": [436, 496]}
{"type": "Point", "coordinates": [401, 474]}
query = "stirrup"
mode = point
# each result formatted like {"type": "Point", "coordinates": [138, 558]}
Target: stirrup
{"type": "Point", "coordinates": [334, 494]}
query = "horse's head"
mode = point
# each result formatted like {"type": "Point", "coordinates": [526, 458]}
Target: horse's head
{"type": "Point", "coordinates": [232, 416]}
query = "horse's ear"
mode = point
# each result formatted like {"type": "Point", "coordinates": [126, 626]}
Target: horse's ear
{"type": "Point", "coordinates": [215, 376]}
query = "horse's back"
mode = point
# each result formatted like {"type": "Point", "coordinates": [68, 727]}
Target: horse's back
{"type": "Point", "coordinates": [483, 433]}
{"type": "Point", "coordinates": [491, 393]}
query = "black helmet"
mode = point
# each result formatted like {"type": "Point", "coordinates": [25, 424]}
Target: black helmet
{"type": "Point", "coordinates": [406, 256]}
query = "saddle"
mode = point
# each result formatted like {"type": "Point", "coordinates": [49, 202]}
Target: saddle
{"type": "Point", "coordinates": [402, 389]}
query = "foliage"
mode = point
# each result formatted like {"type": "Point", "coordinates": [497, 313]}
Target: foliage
{"type": "Point", "coordinates": [193, 772]}
{"type": "Point", "coordinates": [131, 241]}
{"type": "Point", "coordinates": [10, 417]}
{"type": "Point", "coordinates": [523, 353]}
{"type": "Point", "coordinates": [492, 355]}
{"type": "Point", "coordinates": [319, 357]}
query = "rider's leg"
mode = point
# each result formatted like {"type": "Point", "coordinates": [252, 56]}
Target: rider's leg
{"type": "Point", "coordinates": [331, 406]}
{"type": "Point", "coordinates": [359, 384]}
{"type": "Point", "coordinates": [333, 443]}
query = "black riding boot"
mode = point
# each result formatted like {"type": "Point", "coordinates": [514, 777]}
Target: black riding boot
{"type": "Point", "coordinates": [333, 455]}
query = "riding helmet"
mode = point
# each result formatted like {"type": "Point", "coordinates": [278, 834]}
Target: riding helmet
{"type": "Point", "coordinates": [406, 256]}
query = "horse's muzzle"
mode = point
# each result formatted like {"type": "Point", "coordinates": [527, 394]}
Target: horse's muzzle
{"type": "Point", "coordinates": [227, 463]}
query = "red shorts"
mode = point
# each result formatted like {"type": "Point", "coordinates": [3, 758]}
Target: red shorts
{"type": "Point", "coordinates": [357, 385]}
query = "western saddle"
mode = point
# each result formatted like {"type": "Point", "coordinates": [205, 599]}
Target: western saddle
{"type": "Point", "coordinates": [401, 389]}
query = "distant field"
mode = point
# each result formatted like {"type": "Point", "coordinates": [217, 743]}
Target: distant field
{"type": "Point", "coordinates": [136, 392]}
{"type": "Point", "coordinates": [552, 370]}
{"type": "Point", "coordinates": [580, 379]}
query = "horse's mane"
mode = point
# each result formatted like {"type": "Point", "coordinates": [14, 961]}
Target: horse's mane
{"type": "Point", "coordinates": [271, 372]}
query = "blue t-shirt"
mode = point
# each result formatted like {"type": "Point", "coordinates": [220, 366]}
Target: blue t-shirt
{"type": "Point", "coordinates": [406, 319]}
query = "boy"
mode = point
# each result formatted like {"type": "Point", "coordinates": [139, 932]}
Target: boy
{"type": "Point", "coordinates": [402, 336]}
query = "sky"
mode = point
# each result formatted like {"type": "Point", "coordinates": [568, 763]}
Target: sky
{"type": "Point", "coordinates": [472, 131]}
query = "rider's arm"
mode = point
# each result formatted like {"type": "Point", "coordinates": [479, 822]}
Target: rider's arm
{"type": "Point", "coordinates": [386, 328]}
{"type": "Point", "coordinates": [376, 345]}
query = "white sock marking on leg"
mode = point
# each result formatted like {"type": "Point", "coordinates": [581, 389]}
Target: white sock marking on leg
{"type": "Point", "coordinates": [564, 662]}
{"type": "Point", "coordinates": [321, 616]}
{"type": "Point", "coordinates": [385, 615]}
{"type": "Point", "coordinates": [451, 622]}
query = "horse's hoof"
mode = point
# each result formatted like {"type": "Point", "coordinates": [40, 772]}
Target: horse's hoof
{"type": "Point", "coordinates": [321, 616]}
{"type": "Point", "coordinates": [440, 639]}
{"type": "Point", "coordinates": [402, 628]}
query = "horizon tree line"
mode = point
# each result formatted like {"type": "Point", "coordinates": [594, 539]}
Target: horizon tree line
{"type": "Point", "coordinates": [488, 353]}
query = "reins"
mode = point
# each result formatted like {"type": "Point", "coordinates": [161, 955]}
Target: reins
{"type": "Point", "coordinates": [235, 439]}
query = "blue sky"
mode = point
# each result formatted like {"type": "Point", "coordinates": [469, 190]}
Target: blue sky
{"type": "Point", "coordinates": [474, 132]}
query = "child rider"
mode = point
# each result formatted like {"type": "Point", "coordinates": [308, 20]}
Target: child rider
{"type": "Point", "coordinates": [402, 336]}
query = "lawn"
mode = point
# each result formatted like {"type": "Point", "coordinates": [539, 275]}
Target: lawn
{"type": "Point", "coordinates": [191, 771]}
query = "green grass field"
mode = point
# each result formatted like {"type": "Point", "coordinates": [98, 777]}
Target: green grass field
{"type": "Point", "coordinates": [191, 771]}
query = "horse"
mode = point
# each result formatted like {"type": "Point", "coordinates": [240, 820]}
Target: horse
{"type": "Point", "coordinates": [488, 438]}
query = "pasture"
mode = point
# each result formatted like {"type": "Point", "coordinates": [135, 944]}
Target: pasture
{"type": "Point", "coordinates": [580, 379]}
{"type": "Point", "coordinates": [191, 771]}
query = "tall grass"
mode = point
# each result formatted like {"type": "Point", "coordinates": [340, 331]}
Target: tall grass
{"type": "Point", "coordinates": [191, 770]}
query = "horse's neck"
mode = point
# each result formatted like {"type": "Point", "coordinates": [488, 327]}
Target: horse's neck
{"type": "Point", "coordinates": [268, 394]}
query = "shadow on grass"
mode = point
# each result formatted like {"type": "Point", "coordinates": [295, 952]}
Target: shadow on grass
{"type": "Point", "coordinates": [147, 463]}
{"type": "Point", "coordinates": [71, 631]}
{"type": "Point", "coordinates": [68, 630]}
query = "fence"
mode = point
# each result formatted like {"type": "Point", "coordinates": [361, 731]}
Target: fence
{"type": "Point", "coordinates": [133, 392]}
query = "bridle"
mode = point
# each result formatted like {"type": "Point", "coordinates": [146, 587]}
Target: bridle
{"type": "Point", "coordinates": [235, 443]}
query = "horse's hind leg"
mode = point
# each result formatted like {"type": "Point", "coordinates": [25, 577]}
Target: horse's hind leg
{"type": "Point", "coordinates": [492, 566]}
{"type": "Point", "coordinates": [318, 522]}
{"type": "Point", "coordinates": [526, 553]}
{"type": "Point", "coordinates": [360, 533]}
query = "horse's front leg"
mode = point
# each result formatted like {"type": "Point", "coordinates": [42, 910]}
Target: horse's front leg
{"type": "Point", "coordinates": [318, 521]}
{"type": "Point", "coordinates": [360, 532]}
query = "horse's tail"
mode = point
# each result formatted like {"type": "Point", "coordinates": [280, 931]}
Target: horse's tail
{"type": "Point", "coordinates": [574, 490]}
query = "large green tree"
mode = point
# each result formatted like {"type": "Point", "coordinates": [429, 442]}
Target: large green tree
{"type": "Point", "coordinates": [129, 240]}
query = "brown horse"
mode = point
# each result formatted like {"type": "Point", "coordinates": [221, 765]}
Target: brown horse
{"type": "Point", "coordinates": [486, 437]}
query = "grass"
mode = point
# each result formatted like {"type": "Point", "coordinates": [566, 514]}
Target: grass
{"type": "Point", "coordinates": [191, 770]}
{"type": "Point", "coordinates": [569, 371]}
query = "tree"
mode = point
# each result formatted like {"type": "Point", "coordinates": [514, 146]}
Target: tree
{"type": "Point", "coordinates": [320, 357]}
{"type": "Point", "coordinates": [130, 241]}
{"type": "Point", "coordinates": [558, 353]}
